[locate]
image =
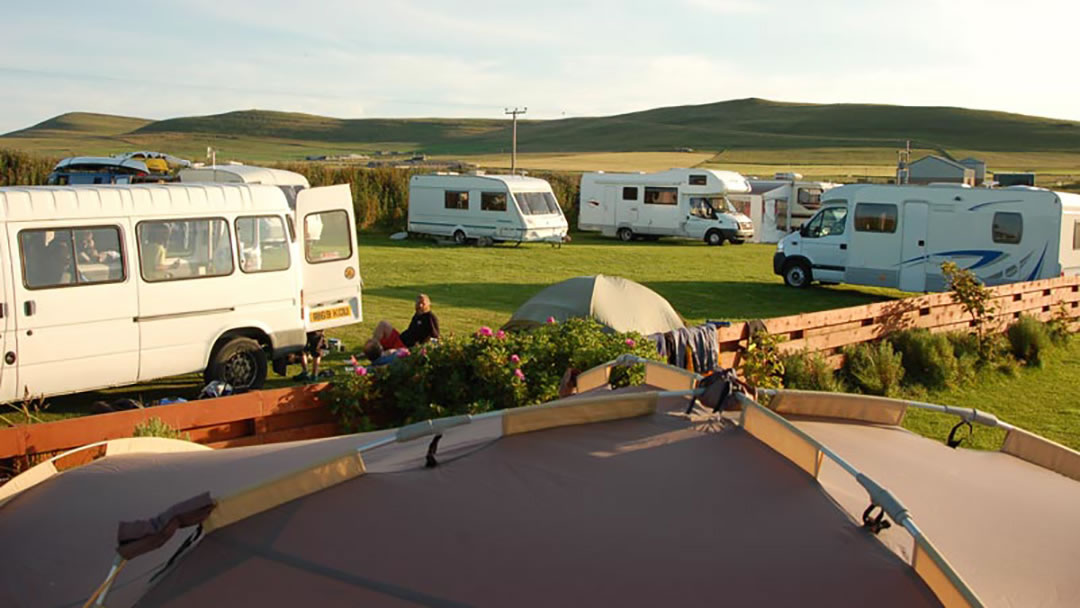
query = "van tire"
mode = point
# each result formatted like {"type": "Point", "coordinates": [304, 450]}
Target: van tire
{"type": "Point", "coordinates": [459, 237]}
{"type": "Point", "coordinates": [241, 363]}
{"type": "Point", "coordinates": [625, 235]}
{"type": "Point", "coordinates": [797, 275]}
{"type": "Point", "coordinates": [715, 238]}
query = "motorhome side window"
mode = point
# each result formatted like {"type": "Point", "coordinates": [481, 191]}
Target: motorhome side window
{"type": "Point", "coordinates": [71, 256]}
{"type": "Point", "coordinates": [493, 201]}
{"type": "Point", "coordinates": [629, 193]}
{"type": "Point", "coordinates": [327, 236]}
{"type": "Point", "coordinates": [661, 196]}
{"type": "Point", "coordinates": [456, 199]}
{"type": "Point", "coordinates": [699, 180]}
{"type": "Point", "coordinates": [830, 222]}
{"type": "Point", "coordinates": [1008, 227]}
{"type": "Point", "coordinates": [261, 244]}
{"type": "Point", "coordinates": [875, 217]}
{"type": "Point", "coordinates": [173, 250]}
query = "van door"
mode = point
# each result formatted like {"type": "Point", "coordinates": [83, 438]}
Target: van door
{"type": "Point", "coordinates": [7, 379]}
{"type": "Point", "coordinates": [825, 244]}
{"type": "Point", "coordinates": [913, 258]}
{"type": "Point", "coordinates": [75, 305]}
{"type": "Point", "coordinates": [330, 290]}
{"type": "Point", "coordinates": [628, 209]}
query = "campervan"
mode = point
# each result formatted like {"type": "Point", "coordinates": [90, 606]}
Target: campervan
{"type": "Point", "coordinates": [497, 207]}
{"type": "Point", "coordinates": [780, 205]}
{"type": "Point", "coordinates": [898, 236]}
{"type": "Point", "coordinates": [113, 285]}
{"type": "Point", "coordinates": [688, 203]}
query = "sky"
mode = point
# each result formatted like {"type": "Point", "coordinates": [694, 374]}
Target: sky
{"type": "Point", "coordinates": [473, 58]}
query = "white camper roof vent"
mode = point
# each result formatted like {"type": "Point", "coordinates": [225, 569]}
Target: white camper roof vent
{"type": "Point", "coordinates": [788, 175]}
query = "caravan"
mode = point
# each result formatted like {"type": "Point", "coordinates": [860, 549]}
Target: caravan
{"type": "Point", "coordinates": [688, 203]}
{"type": "Point", "coordinates": [113, 285]}
{"type": "Point", "coordinates": [497, 207]}
{"type": "Point", "coordinates": [898, 236]}
{"type": "Point", "coordinates": [780, 205]}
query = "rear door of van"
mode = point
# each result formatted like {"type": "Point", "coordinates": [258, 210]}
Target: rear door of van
{"type": "Point", "coordinates": [330, 292]}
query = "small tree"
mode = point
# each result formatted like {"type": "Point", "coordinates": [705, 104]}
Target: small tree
{"type": "Point", "coordinates": [762, 363]}
{"type": "Point", "coordinates": [969, 292]}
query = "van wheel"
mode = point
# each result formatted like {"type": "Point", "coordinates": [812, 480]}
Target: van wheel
{"type": "Point", "coordinates": [459, 237]}
{"type": "Point", "coordinates": [714, 238]}
{"type": "Point", "coordinates": [797, 274]}
{"type": "Point", "coordinates": [241, 363]}
{"type": "Point", "coordinates": [625, 235]}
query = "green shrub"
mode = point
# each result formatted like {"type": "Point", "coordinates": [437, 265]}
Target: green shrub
{"type": "Point", "coordinates": [156, 427]}
{"type": "Point", "coordinates": [1030, 339]}
{"type": "Point", "coordinates": [478, 373]}
{"type": "Point", "coordinates": [762, 364]}
{"type": "Point", "coordinates": [928, 358]}
{"type": "Point", "coordinates": [810, 371]}
{"type": "Point", "coordinates": [873, 367]}
{"type": "Point", "coordinates": [1058, 326]}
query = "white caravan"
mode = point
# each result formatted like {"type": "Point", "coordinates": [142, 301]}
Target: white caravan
{"type": "Point", "coordinates": [688, 203]}
{"type": "Point", "coordinates": [498, 207]}
{"type": "Point", "coordinates": [898, 236]}
{"type": "Point", "coordinates": [780, 205]}
{"type": "Point", "coordinates": [113, 285]}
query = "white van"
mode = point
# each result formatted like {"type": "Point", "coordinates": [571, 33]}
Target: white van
{"type": "Point", "coordinates": [499, 207]}
{"type": "Point", "coordinates": [780, 205]}
{"type": "Point", "coordinates": [113, 285]}
{"type": "Point", "coordinates": [898, 236]}
{"type": "Point", "coordinates": [678, 202]}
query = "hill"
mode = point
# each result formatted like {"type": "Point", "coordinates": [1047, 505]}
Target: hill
{"type": "Point", "coordinates": [83, 122]}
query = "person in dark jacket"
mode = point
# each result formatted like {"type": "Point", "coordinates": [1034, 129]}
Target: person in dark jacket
{"type": "Point", "coordinates": [424, 326]}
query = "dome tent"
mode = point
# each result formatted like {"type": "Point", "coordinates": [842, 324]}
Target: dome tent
{"type": "Point", "coordinates": [617, 303]}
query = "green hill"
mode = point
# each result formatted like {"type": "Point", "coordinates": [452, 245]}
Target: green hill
{"type": "Point", "coordinates": [746, 124]}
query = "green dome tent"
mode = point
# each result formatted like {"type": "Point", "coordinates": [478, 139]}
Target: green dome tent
{"type": "Point", "coordinates": [615, 302]}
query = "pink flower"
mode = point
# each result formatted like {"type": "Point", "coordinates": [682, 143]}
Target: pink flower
{"type": "Point", "coordinates": [402, 353]}
{"type": "Point", "coordinates": [423, 351]}
{"type": "Point", "coordinates": [500, 334]}
{"type": "Point", "coordinates": [484, 331]}
{"type": "Point", "coordinates": [630, 342]}
{"type": "Point", "coordinates": [520, 374]}
{"type": "Point", "coordinates": [515, 359]}
{"type": "Point", "coordinates": [551, 319]}
{"type": "Point", "coordinates": [361, 370]}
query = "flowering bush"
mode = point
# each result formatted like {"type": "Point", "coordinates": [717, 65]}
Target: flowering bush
{"type": "Point", "coordinates": [480, 372]}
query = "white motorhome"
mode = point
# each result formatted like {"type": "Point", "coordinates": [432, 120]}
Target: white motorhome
{"type": "Point", "coordinates": [898, 236]}
{"type": "Point", "coordinates": [111, 285]}
{"type": "Point", "coordinates": [498, 207]}
{"type": "Point", "coordinates": [688, 203]}
{"type": "Point", "coordinates": [780, 205]}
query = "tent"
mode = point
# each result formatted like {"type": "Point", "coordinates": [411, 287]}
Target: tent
{"type": "Point", "coordinates": [611, 497]}
{"type": "Point", "coordinates": [615, 302]}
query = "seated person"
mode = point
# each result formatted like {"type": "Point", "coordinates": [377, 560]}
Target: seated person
{"type": "Point", "coordinates": [154, 266]}
{"type": "Point", "coordinates": [424, 326]}
{"type": "Point", "coordinates": [377, 355]}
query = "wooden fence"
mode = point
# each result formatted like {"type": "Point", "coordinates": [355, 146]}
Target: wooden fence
{"type": "Point", "coordinates": [831, 330]}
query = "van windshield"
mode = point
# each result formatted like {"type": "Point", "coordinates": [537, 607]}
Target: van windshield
{"type": "Point", "coordinates": [719, 204]}
{"type": "Point", "coordinates": [537, 203]}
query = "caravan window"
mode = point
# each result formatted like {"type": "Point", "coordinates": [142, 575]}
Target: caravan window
{"type": "Point", "coordinates": [456, 200]}
{"type": "Point", "coordinates": [537, 203]}
{"type": "Point", "coordinates": [699, 180]}
{"type": "Point", "coordinates": [261, 244]}
{"type": "Point", "coordinates": [661, 196]}
{"type": "Point", "coordinates": [172, 250]}
{"type": "Point", "coordinates": [493, 201]}
{"type": "Point", "coordinates": [875, 217]}
{"type": "Point", "coordinates": [629, 193]}
{"type": "Point", "coordinates": [71, 256]}
{"type": "Point", "coordinates": [327, 237]}
{"type": "Point", "coordinates": [1008, 227]}
{"type": "Point", "coordinates": [1076, 235]}
{"type": "Point", "coordinates": [810, 197]}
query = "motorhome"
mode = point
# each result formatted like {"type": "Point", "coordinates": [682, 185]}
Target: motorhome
{"type": "Point", "coordinates": [898, 236]}
{"type": "Point", "coordinates": [113, 285]}
{"type": "Point", "coordinates": [780, 205]}
{"type": "Point", "coordinates": [690, 203]}
{"type": "Point", "coordinates": [511, 208]}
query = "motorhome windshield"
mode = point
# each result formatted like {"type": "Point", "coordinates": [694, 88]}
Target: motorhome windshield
{"type": "Point", "coordinates": [537, 203]}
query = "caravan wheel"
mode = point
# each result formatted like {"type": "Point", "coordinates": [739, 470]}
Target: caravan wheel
{"type": "Point", "coordinates": [625, 235]}
{"type": "Point", "coordinates": [459, 237]}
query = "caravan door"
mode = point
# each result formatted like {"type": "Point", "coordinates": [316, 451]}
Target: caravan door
{"type": "Point", "coordinates": [913, 258]}
{"type": "Point", "coordinates": [330, 291]}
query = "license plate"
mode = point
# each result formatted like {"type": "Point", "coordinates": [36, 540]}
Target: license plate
{"type": "Point", "coordinates": [326, 314]}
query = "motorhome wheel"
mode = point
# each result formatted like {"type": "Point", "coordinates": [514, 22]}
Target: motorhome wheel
{"type": "Point", "coordinates": [714, 238]}
{"type": "Point", "coordinates": [625, 234]}
{"type": "Point", "coordinates": [797, 274]}
{"type": "Point", "coordinates": [459, 237]}
{"type": "Point", "coordinates": [240, 363]}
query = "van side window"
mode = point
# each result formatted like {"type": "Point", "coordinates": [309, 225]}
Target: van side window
{"type": "Point", "coordinates": [492, 201]}
{"type": "Point", "coordinates": [173, 250]}
{"type": "Point", "coordinates": [629, 193]}
{"type": "Point", "coordinates": [327, 237]}
{"type": "Point", "coordinates": [661, 196]}
{"type": "Point", "coordinates": [875, 217]}
{"type": "Point", "coordinates": [699, 180]}
{"type": "Point", "coordinates": [71, 256]}
{"type": "Point", "coordinates": [262, 245]}
{"type": "Point", "coordinates": [457, 200]}
{"type": "Point", "coordinates": [830, 222]}
{"type": "Point", "coordinates": [1008, 227]}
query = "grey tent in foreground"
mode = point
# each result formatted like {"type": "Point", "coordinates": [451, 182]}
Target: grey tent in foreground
{"type": "Point", "coordinates": [615, 302]}
{"type": "Point", "coordinates": [611, 497]}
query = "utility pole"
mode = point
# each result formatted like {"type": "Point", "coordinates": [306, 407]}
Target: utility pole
{"type": "Point", "coordinates": [513, 143]}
